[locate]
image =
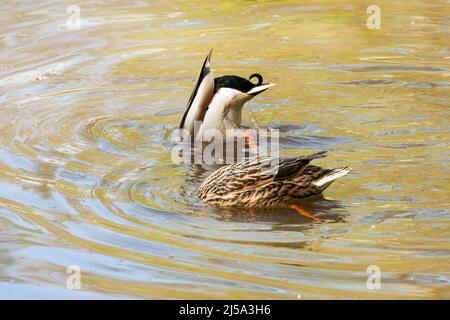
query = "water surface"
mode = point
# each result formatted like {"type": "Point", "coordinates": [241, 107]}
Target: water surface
{"type": "Point", "coordinates": [86, 176]}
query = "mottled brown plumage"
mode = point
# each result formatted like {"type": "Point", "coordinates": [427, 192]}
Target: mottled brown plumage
{"type": "Point", "coordinates": [250, 184]}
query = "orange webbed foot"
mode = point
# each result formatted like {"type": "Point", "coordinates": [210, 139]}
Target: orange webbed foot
{"type": "Point", "coordinates": [304, 213]}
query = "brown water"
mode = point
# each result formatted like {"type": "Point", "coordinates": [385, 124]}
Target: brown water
{"type": "Point", "coordinates": [85, 171]}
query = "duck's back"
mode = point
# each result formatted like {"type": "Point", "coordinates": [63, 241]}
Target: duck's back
{"type": "Point", "coordinates": [252, 184]}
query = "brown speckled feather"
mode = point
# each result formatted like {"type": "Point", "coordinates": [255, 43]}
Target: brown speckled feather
{"type": "Point", "coordinates": [248, 184]}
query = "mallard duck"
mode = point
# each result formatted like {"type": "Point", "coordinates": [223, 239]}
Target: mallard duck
{"type": "Point", "coordinates": [216, 103]}
{"type": "Point", "coordinates": [248, 184]}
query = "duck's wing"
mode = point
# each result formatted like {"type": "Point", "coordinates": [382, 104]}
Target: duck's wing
{"type": "Point", "coordinates": [200, 98]}
{"type": "Point", "coordinates": [290, 168]}
{"type": "Point", "coordinates": [252, 174]}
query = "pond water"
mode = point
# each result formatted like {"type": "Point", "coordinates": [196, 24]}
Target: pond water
{"type": "Point", "coordinates": [86, 176]}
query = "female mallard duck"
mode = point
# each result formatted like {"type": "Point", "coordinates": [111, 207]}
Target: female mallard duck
{"type": "Point", "coordinates": [249, 184]}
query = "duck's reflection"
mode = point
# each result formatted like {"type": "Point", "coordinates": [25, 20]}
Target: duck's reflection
{"type": "Point", "coordinates": [318, 206]}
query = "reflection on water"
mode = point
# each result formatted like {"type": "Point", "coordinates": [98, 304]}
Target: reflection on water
{"type": "Point", "coordinates": [86, 176]}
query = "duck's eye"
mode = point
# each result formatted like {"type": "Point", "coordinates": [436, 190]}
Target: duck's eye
{"type": "Point", "coordinates": [258, 76]}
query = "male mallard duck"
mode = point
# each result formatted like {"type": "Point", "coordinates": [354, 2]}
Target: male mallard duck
{"type": "Point", "coordinates": [249, 184]}
{"type": "Point", "coordinates": [216, 103]}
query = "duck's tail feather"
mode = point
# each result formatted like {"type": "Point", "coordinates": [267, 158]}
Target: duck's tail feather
{"type": "Point", "coordinates": [331, 176]}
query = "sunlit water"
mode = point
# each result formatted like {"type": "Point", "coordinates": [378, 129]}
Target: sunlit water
{"type": "Point", "coordinates": [86, 176]}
